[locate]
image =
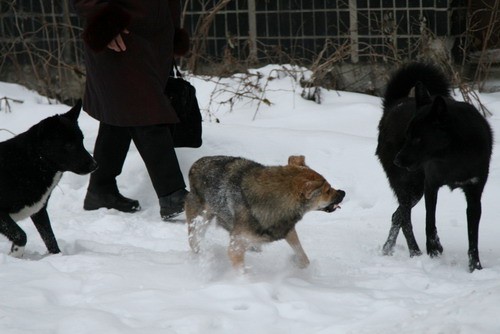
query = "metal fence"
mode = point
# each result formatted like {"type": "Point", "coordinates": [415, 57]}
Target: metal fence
{"type": "Point", "coordinates": [40, 24]}
{"type": "Point", "coordinates": [259, 28]}
{"type": "Point", "coordinates": [42, 37]}
{"type": "Point", "coordinates": [300, 28]}
{"type": "Point", "coordinates": [40, 47]}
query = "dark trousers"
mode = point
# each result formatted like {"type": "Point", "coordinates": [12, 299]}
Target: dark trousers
{"type": "Point", "coordinates": [156, 148]}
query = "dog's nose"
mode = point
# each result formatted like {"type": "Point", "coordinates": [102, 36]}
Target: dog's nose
{"type": "Point", "coordinates": [340, 195]}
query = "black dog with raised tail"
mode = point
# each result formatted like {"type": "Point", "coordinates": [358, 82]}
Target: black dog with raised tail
{"type": "Point", "coordinates": [429, 141]}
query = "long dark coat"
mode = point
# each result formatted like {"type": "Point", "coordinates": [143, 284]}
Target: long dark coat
{"type": "Point", "coordinates": [127, 88]}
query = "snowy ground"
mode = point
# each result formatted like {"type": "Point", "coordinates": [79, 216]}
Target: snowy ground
{"type": "Point", "coordinates": [132, 273]}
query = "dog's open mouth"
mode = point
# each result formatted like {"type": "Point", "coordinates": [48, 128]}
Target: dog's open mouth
{"type": "Point", "coordinates": [336, 203]}
{"type": "Point", "coordinates": [332, 207]}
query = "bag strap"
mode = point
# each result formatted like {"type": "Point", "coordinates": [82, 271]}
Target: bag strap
{"type": "Point", "coordinates": [175, 70]}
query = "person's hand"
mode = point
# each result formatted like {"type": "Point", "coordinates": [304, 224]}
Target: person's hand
{"type": "Point", "coordinates": [117, 44]}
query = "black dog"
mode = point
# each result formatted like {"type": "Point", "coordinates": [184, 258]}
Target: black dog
{"type": "Point", "coordinates": [427, 142]}
{"type": "Point", "coordinates": [31, 165]}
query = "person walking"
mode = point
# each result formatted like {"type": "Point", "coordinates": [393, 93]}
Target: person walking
{"type": "Point", "coordinates": [129, 49]}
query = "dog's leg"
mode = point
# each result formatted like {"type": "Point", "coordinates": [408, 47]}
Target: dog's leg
{"type": "Point", "coordinates": [238, 245]}
{"type": "Point", "coordinates": [401, 218]}
{"type": "Point", "coordinates": [194, 234]}
{"type": "Point", "coordinates": [14, 233]}
{"type": "Point", "coordinates": [42, 224]}
{"type": "Point", "coordinates": [293, 240]}
{"type": "Point", "coordinates": [473, 197]}
{"type": "Point", "coordinates": [434, 247]}
{"type": "Point", "coordinates": [388, 248]}
{"type": "Point", "coordinates": [197, 228]}
{"type": "Point", "coordinates": [407, 227]}
{"type": "Point", "coordinates": [197, 220]}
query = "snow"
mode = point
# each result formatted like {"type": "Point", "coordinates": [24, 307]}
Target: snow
{"type": "Point", "coordinates": [132, 273]}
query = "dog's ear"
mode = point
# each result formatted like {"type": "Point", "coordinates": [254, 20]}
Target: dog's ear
{"type": "Point", "coordinates": [297, 160]}
{"type": "Point", "coordinates": [422, 96]}
{"type": "Point", "coordinates": [74, 112]}
{"type": "Point", "coordinates": [312, 188]}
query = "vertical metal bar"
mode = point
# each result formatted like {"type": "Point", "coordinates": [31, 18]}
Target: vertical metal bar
{"type": "Point", "coordinates": [353, 30]}
{"type": "Point", "coordinates": [252, 32]}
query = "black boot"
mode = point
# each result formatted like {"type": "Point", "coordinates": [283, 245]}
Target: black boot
{"type": "Point", "coordinates": [94, 201]}
{"type": "Point", "coordinates": [173, 204]}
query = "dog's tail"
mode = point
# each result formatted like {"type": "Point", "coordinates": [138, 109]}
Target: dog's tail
{"type": "Point", "coordinates": [404, 79]}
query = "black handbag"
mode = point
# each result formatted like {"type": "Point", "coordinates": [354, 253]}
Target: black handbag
{"type": "Point", "coordinates": [182, 95]}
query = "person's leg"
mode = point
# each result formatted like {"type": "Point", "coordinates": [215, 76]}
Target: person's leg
{"type": "Point", "coordinates": [110, 151]}
{"type": "Point", "coordinates": [156, 147]}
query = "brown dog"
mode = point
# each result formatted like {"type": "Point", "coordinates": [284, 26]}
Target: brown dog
{"type": "Point", "coordinates": [255, 203]}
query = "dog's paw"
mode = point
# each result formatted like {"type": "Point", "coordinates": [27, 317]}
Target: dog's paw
{"type": "Point", "coordinates": [194, 244]}
{"type": "Point", "coordinates": [244, 270]}
{"type": "Point", "coordinates": [241, 270]}
{"type": "Point", "coordinates": [415, 252]}
{"type": "Point", "coordinates": [474, 263]}
{"type": "Point", "coordinates": [388, 248]}
{"type": "Point", "coordinates": [301, 262]}
{"type": "Point", "coordinates": [17, 251]}
{"type": "Point", "coordinates": [434, 248]}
